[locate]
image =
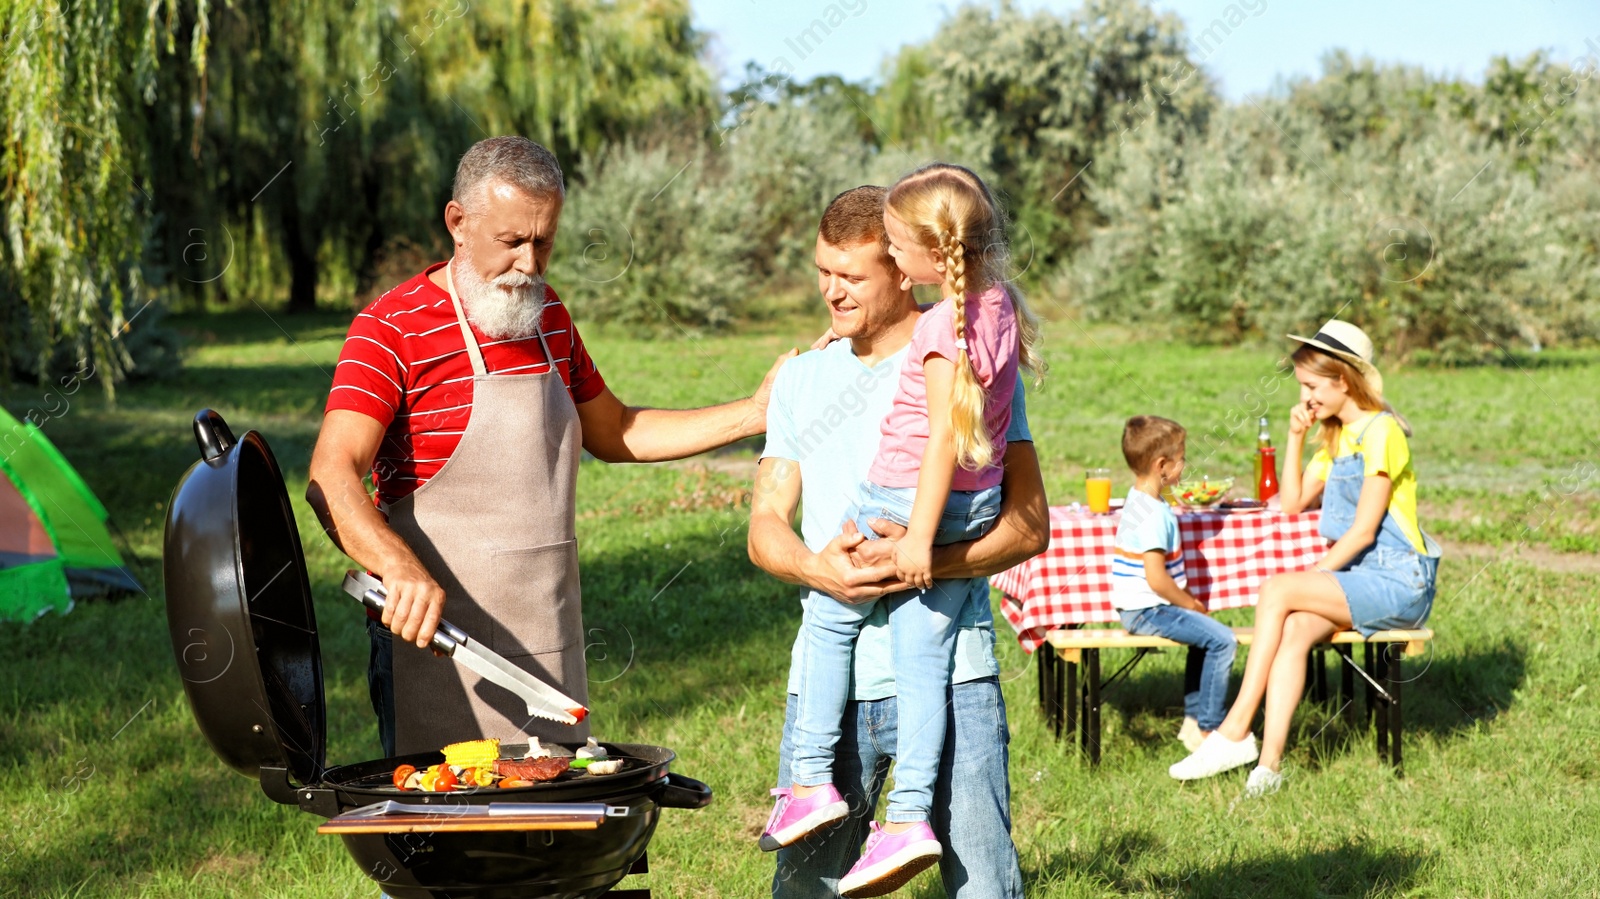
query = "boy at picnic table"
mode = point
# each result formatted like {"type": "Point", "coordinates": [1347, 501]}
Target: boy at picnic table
{"type": "Point", "coordinates": [1148, 580]}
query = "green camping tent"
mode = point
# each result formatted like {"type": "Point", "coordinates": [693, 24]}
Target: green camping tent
{"type": "Point", "coordinates": [54, 546]}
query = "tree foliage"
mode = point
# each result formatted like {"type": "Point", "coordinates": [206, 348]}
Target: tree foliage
{"type": "Point", "coordinates": [1038, 99]}
{"type": "Point", "coordinates": [76, 200]}
{"type": "Point", "coordinates": [282, 152]}
{"type": "Point", "coordinates": [688, 233]}
{"type": "Point", "coordinates": [345, 145]}
{"type": "Point", "coordinates": [267, 149]}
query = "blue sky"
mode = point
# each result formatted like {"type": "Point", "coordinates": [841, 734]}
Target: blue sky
{"type": "Point", "coordinates": [1279, 38]}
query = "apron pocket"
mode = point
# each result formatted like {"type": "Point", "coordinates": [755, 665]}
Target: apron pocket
{"type": "Point", "coordinates": [536, 606]}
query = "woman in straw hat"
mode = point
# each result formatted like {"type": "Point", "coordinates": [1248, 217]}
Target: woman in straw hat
{"type": "Point", "coordinates": [1378, 572]}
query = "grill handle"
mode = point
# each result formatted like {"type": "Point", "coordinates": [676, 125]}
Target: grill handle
{"type": "Point", "coordinates": [213, 434]}
{"type": "Point", "coordinates": [678, 791]}
{"type": "Point", "coordinates": [372, 595]}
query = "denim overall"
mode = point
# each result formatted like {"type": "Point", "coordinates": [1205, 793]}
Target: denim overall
{"type": "Point", "coordinates": [1389, 585]}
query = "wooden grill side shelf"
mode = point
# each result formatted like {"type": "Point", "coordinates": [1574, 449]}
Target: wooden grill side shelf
{"type": "Point", "coordinates": [461, 824]}
{"type": "Point", "coordinates": [1067, 704]}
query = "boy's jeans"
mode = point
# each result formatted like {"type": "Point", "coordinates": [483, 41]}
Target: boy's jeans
{"type": "Point", "coordinates": [972, 814]}
{"type": "Point", "coordinates": [923, 626]}
{"type": "Point", "coordinates": [1211, 651]}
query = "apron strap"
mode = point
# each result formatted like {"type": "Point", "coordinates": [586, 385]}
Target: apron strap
{"type": "Point", "coordinates": [549, 360]}
{"type": "Point", "coordinates": [473, 351]}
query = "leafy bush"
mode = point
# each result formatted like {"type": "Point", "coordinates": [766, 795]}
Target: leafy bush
{"type": "Point", "coordinates": [1361, 194]}
{"type": "Point", "coordinates": [1032, 100]}
{"type": "Point", "coordinates": [686, 234]}
{"type": "Point", "coordinates": [653, 240]}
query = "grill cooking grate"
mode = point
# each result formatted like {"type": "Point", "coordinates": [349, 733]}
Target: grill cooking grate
{"type": "Point", "coordinates": [384, 781]}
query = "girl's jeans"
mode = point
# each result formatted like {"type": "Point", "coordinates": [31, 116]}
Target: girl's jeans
{"type": "Point", "coordinates": [971, 816]}
{"type": "Point", "coordinates": [923, 626]}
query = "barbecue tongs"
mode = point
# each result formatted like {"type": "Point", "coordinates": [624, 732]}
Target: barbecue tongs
{"type": "Point", "coordinates": [544, 701]}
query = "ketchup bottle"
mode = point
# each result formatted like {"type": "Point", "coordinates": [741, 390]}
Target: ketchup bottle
{"type": "Point", "coordinates": [1267, 484]}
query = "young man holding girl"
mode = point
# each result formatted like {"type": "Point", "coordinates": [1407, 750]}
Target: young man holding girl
{"type": "Point", "coordinates": [823, 433]}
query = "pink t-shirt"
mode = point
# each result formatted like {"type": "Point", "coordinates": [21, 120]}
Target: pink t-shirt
{"type": "Point", "coordinates": [993, 348]}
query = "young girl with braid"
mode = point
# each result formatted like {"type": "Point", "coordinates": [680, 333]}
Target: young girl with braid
{"type": "Point", "coordinates": [937, 473]}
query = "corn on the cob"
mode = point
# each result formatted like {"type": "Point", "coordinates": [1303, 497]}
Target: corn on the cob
{"type": "Point", "coordinates": [472, 753]}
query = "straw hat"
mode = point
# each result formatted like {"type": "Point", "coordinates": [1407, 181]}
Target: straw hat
{"type": "Point", "coordinates": [1349, 343]}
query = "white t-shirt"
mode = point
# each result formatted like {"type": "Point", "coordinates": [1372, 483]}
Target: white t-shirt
{"type": "Point", "coordinates": [1147, 524]}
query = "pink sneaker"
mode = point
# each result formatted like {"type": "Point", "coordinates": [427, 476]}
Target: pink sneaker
{"type": "Point", "coordinates": [793, 819]}
{"type": "Point", "coordinates": [890, 860]}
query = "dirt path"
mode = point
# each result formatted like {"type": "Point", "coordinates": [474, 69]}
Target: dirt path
{"type": "Point", "coordinates": [1539, 556]}
{"type": "Point", "coordinates": [739, 466]}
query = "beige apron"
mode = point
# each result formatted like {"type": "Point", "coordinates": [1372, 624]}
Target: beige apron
{"type": "Point", "coordinates": [495, 528]}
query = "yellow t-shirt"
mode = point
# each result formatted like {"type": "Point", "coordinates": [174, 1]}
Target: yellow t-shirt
{"type": "Point", "coordinates": [1384, 451]}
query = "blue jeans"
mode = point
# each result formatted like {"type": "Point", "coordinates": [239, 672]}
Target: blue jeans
{"type": "Point", "coordinates": [380, 682]}
{"type": "Point", "coordinates": [1211, 651]}
{"type": "Point", "coordinates": [971, 812]}
{"type": "Point", "coordinates": [922, 624]}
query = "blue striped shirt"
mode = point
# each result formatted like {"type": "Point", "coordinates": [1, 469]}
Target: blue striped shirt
{"type": "Point", "coordinates": [1147, 525]}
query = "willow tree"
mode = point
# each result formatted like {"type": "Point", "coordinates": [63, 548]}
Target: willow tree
{"type": "Point", "coordinates": [282, 146]}
{"type": "Point", "coordinates": [334, 128]}
{"type": "Point", "coordinates": [252, 147]}
{"type": "Point", "coordinates": [575, 75]}
{"type": "Point", "coordinates": [73, 81]}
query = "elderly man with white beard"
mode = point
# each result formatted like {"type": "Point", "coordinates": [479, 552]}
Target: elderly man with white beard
{"type": "Point", "coordinates": [467, 393]}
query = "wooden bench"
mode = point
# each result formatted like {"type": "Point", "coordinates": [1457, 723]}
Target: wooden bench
{"type": "Point", "coordinates": [1076, 708]}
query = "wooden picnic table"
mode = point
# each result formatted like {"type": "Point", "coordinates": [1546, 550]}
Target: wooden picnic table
{"type": "Point", "coordinates": [1226, 555]}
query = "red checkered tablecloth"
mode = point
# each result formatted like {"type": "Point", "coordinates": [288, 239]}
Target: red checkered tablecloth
{"type": "Point", "coordinates": [1225, 554]}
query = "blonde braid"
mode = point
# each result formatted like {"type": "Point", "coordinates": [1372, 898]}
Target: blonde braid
{"type": "Point", "coordinates": [955, 274]}
{"type": "Point", "coordinates": [974, 443]}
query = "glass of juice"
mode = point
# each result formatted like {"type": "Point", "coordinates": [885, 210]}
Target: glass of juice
{"type": "Point", "coordinates": [1097, 484]}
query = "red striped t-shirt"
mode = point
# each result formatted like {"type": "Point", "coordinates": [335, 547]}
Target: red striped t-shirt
{"type": "Point", "coordinates": [404, 363]}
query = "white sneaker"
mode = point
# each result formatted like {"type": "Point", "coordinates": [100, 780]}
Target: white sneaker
{"type": "Point", "coordinates": [1216, 755]}
{"type": "Point", "coordinates": [1263, 782]}
{"type": "Point", "coordinates": [1189, 734]}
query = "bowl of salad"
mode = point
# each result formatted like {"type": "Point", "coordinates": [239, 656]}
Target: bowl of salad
{"type": "Point", "coordinates": [1200, 493]}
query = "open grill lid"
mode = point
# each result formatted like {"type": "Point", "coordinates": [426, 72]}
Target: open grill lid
{"type": "Point", "coordinates": [239, 608]}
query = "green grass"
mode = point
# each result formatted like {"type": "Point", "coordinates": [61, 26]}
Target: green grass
{"type": "Point", "coordinates": [112, 791]}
